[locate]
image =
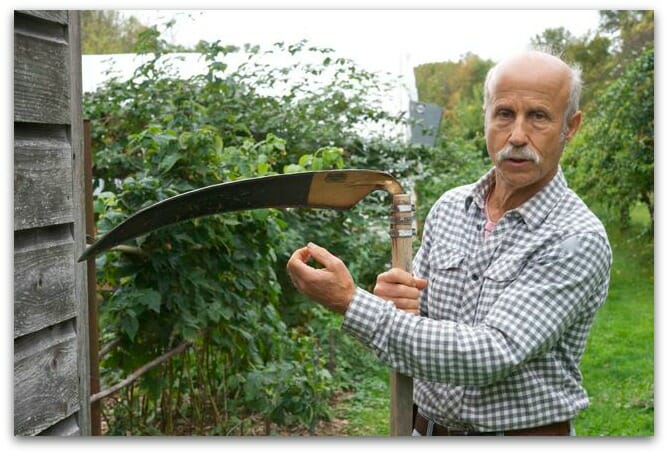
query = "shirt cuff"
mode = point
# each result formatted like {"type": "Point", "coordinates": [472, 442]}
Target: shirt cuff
{"type": "Point", "coordinates": [365, 313]}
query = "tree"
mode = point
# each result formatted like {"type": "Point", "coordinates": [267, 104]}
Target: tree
{"type": "Point", "coordinates": [108, 32]}
{"type": "Point", "coordinates": [632, 30]}
{"type": "Point", "coordinates": [447, 83]}
{"type": "Point", "coordinates": [611, 161]}
{"type": "Point", "coordinates": [460, 154]}
{"type": "Point", "coordinates": [553, 40]}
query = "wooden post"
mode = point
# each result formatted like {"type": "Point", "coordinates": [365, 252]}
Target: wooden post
{"type": "Point", "coordinates": [93, 341]}
{"type": "Point", "coordinates": [401, 386]}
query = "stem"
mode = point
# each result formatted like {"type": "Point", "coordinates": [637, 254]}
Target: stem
{"type": "Point", "coordinates": [139, 372]}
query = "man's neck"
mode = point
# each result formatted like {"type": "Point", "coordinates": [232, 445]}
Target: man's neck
{"type": "Point", "coordinates": [504, 197]}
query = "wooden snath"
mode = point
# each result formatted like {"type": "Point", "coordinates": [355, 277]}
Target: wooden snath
{"type": "Point", "coordinates": [401, 386]}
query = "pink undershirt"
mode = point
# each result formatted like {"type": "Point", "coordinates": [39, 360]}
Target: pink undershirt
{"type": "Point", "coordinates": [489, 225]}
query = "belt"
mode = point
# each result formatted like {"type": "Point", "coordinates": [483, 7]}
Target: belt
{"type": "Point", "coordinates": [422, 425]}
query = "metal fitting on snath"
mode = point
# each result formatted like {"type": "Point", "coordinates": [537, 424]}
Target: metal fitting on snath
{"type": "Point", "coordinates": [402, 220]}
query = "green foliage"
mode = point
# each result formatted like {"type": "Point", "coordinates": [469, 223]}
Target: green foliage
{"type": "Point", "coordinates": [460, 155]}
{"type": "Point", "coordinates": [632, 30]}
{"type": "Point", "coordinates": [295, 391]}
{"type": "Point", "coordinates": [448, 84]}
{"type": "Point", "coordinates": [222, 277]}
{"type": "Point", "coordinates": [108, 32]}
{"type": "Point", "coordinates": [611, 161]}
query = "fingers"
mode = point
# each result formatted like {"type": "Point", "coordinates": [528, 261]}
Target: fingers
{"type": "Point", "coordinates": [397, 283]}
{"type": "Point", "coordinates": [297, 267]}
{"type": "Point", "coordinates": [331, 286]}
{"type": "Point", "coordinates": [420, 283]}
{"type": "Point", "coordinates": [323, 256]}
{"type": "Point", "coordinates": [400, 287]}
{"type": "Point", "coordinates": [399, 276]}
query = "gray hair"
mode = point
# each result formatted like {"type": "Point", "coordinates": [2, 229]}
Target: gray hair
{"type": "Point", "coordinates": [574, 91]}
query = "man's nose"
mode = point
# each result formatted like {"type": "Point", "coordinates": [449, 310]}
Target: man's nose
{"type": "Point", "coordinates": [518, 136]}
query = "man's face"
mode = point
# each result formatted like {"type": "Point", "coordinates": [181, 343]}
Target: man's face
{"type": "Point", "coordinates": [525, 123]}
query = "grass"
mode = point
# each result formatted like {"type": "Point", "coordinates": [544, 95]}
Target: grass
{"type": "Point", "coordinates": [618, 364]}
{"type": "Point", "coordinates": [368, 409]}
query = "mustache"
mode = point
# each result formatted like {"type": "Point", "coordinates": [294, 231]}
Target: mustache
{"type": "Point", "coordinates": [524, 153]}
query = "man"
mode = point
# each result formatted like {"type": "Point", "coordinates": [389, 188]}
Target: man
{"type": "Point", "coordinates": [512, 270]}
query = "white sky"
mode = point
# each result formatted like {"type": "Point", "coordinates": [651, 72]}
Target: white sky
{"type": "Point", "coordinates": [375, 39]}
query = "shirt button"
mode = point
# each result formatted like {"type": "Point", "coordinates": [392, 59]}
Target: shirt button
{"type": "Point", "coordinates": [475, 277]}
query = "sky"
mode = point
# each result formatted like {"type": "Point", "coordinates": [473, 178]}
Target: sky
{"type": "Point", "coordinates": [375, 39]}
{"type": "Point", "coordinates": [387, 41]}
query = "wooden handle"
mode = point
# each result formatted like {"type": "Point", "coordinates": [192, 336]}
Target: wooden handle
{"type": "Point", "coordinates": [401, 386]}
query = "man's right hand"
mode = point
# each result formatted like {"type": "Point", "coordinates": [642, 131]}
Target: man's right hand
{"type": "Point", "coordinates": [401, 287]}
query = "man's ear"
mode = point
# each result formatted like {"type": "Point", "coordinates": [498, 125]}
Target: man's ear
{"type": "Point", "coordinates": [573, 124]}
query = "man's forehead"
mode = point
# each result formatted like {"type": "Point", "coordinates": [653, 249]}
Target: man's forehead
{"type": "Point", "coordinates": [533, 72]}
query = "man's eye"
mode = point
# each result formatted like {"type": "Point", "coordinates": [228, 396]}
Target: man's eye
{"type": "Point", "coordinates": [504, 114]}
{"type": "Point", "coordinates": [540, 116]}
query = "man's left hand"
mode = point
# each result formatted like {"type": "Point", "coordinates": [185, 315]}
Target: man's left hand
{"type": "Point", "coordinates": [332, 286]}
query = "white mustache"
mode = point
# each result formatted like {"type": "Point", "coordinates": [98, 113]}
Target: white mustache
{"type": "Point", "coordinates": [524, 153]}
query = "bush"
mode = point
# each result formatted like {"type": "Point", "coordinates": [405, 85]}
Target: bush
{"type": "Point", "coordinates": [218, 282]}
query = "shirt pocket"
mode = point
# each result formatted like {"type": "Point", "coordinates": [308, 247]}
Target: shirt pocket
{"type": "Point", "coordinates": [505, 269]}
{"type": "Point", "coordinates": [446, 283]}
{"type": "Point", "coordinates": [496, 279]}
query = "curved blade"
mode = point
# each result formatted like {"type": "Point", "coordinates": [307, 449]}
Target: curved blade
{"type": "Point", "coordinates": [337, 189]}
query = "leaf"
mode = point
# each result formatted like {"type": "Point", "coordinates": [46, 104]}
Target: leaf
{"type": "Point", "coordinates": [168, 162]}
{"type": "Point", "coordinates": [129, 325]}
{"type": "Point", "coordinates": [151, 299]}
{"type": "Point", "coordinates": [317, 164]}
{"type": "Point", "coordinates": [305, 160]}
{"type": "Point", "coordinates": [293, 168]}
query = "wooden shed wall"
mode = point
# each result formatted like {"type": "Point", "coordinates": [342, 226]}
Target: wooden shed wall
{"type": "Point", "coordinates": [51, 387]}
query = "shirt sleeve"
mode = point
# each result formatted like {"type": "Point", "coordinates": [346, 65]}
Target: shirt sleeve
{"type": "Point", "coordinates": [568, 281]}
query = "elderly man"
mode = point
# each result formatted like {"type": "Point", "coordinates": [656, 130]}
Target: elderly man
{"type": "Point", "coordinates": [509, 275]}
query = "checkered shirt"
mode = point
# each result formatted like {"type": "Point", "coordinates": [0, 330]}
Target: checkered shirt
{"type": "Point", "coordinates": [504, 320]}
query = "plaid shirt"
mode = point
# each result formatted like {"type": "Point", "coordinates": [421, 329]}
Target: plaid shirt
{"type": "Point", "coordinates": [504, 320]}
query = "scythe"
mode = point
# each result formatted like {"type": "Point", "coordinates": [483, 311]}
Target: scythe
{"type": "Point", "coordinates": [335, 189]}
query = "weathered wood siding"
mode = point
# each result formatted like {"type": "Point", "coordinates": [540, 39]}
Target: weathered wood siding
{"type": "Point", "coordinates": [51, 390]}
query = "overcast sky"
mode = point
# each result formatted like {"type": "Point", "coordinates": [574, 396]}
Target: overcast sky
{"type": "Point", "coordinates": [376, 39]}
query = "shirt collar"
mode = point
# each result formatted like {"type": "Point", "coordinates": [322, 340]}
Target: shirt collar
{"type": "Point", "coordinates": [533, 211]}
{"type": "Point", "coordinates": [479, 190]}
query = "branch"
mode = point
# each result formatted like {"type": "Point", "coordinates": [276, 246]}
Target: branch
{"type": "Point", "coordinates": [139, 372]}
{"type": "Point", "coordinates": [107, 348]}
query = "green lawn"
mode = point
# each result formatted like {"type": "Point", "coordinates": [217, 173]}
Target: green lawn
{"type": "Point", "coordinates": [618, 365]}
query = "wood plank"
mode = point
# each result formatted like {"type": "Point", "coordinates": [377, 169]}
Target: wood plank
{"type": "Point", "coordinates": [42, 177]}
{"type": "Point", "coordinates": [68, 427]}
{"type": "Point", "coordinates": [58, 16]}
{"type": "Point", "coordinates": [79, 222]}
{"type": "Point", "coordinates": [41, 79]}
{"type": "Point", "coordinates": [43, 285]}
{"type": "Point", "coordinates": [45, 379]}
